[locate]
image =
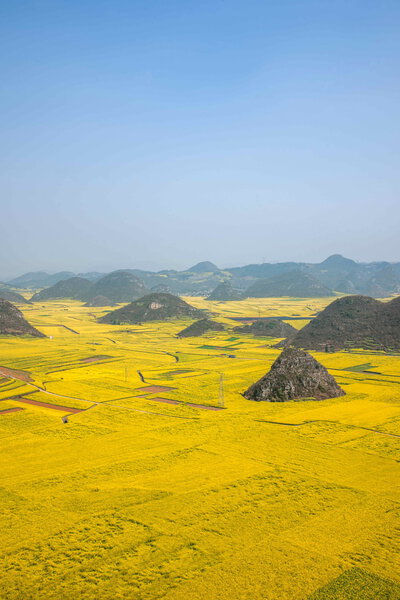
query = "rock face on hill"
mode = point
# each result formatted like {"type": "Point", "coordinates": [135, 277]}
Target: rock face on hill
{"type": "Point", "coordinates": [118, 286]}
{"type": "Point", "coordinates": [75, 288]}
{"type": "Point", "coordinates": [153, 307]}
{"type": "Point", "coordinates": [100, 301]}
{"type": "Point", "coordinates": [11, 296]}
{"type": "Point", "coordinates": [353, 322]}
{"type": "Point", "coordinates": [224, 292]}
{"type": "Point", "coordinates": [199, 327]}
{"type": "Point", "coordinates": [12, 321]}
{"type": "Point", "coordinates": [268, 328]}
{"type": "Point", "coordinates": [294, 375]}
{"type": "Point", "coordinates": [298, 284]}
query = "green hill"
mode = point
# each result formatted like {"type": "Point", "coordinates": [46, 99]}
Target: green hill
{"type": "Point", "coordinates": [76, 288]}
{"type": "Point", "coordinates": [153, 307]}
{"type": "Point", "coordinates": [199, 327]}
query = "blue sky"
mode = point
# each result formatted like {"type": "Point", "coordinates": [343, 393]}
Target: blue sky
{"type": "Point", "coordinates": [156, 134]}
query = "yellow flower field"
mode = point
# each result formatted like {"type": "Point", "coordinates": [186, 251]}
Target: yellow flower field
{"type": "Point", "coordinates": [143, 496]}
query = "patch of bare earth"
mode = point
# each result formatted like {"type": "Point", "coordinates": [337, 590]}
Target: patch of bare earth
{"type": "Point", "coordinates": [92, 359]}
{"type": "Point", "coordinates": [16, 374]}
{"type": "Point", "coordinates": [154, 389]}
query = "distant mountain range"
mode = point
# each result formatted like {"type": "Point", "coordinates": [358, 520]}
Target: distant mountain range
{"type": "Point", "coordinates": [336, 274]}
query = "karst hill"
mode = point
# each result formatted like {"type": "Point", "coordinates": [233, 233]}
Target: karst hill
{"type": "Point", "coordinates": [353, 322]}
{"type": "Point", "coordinates": [267, 328]}
{"type": "Point", "coordinates": [200, 327]}
{"type": "Point", "coordinates": [294, 375]}
{"type": "Point", "coordinates": [12, 321]}
{"type": "Point", "coordinates": [152, 307]}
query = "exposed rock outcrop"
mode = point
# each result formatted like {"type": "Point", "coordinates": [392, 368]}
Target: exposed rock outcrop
{"type": "Point", "coordinates": [294, 375]}
{"type": "Point", "coordinates": [12, 321]}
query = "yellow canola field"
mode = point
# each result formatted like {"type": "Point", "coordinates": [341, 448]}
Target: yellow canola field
{"type": "Point", "coordinates": [141, 499]}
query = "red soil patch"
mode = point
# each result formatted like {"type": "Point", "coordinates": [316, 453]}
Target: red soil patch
{"type": "Point", "coordinates": [166, 400]}
{"type": "Point", "coordinates": [16, 374]}
{"type": "Point", "coordinates": [46, 405]}
{"type": "Point", "coordinates": [91, 359]}
{"type": "Point", "coordinates": [154, 389]}
{"type": "Point", "coordinates": [8, 410]}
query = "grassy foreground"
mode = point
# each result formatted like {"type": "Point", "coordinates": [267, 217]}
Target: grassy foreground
{"type": "Point", "coordinates": [135, 498]}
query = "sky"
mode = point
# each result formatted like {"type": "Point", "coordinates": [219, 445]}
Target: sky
{"type": "Point", "coordinates": [157, 133]}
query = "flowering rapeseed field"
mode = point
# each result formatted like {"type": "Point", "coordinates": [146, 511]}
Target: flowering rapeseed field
{"type": "Point", "coordinates": [147, 493]}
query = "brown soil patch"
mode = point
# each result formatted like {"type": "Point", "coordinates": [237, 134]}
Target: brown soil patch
{"type": "Point", "coordinates": [92, 359]}
{"type": "Point", "coordinates": [9, 410]}
{"type": "Point", "coordinates": [154, 389]}
{"type": "Point", "coordinates": [47, 405]}
{"type": "Point", "coordinates": [166, 400]}
{"type": "Point", "coordinates": [16, 374]}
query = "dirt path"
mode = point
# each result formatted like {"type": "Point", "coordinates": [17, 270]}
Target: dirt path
{"type": "Point", "coordinates": [92, 403]}
{"type": "Point", "coordinates": [333, 422]}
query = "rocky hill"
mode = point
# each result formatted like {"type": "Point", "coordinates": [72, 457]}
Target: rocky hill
{"type": "Point", "coordinates": [267, 328]}
{"type": "Point", "coordinates": [118, 286]}
{"type": "Point", "coordinates": [153, 307]}
{"type": "Point", "coordinates": [12, 321]}
{"type": "Point", "coordinates": [199, 327]}
{"type": "Point", "coordinates": [352, 322]}
{"type": "Point", "coordinates": [76, 288]}
{"type": "Point", "coordinates": [298, 284]}
{"type": "Point", "coordinates": [224, 292]}
{"type": "Point", "coordinates": [294, 375]}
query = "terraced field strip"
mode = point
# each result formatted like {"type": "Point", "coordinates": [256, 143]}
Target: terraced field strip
{"type": "Point", "coordinates": [10, 410]}
{"type": "Point", "coordinates": [47, 405]}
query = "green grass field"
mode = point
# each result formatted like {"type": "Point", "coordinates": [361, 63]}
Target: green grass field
{"type": "Point", "coordinates": [141, 499]}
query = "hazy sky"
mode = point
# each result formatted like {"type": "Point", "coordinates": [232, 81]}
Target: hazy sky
{"type": "Point", "coordinates": [158, 133]}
